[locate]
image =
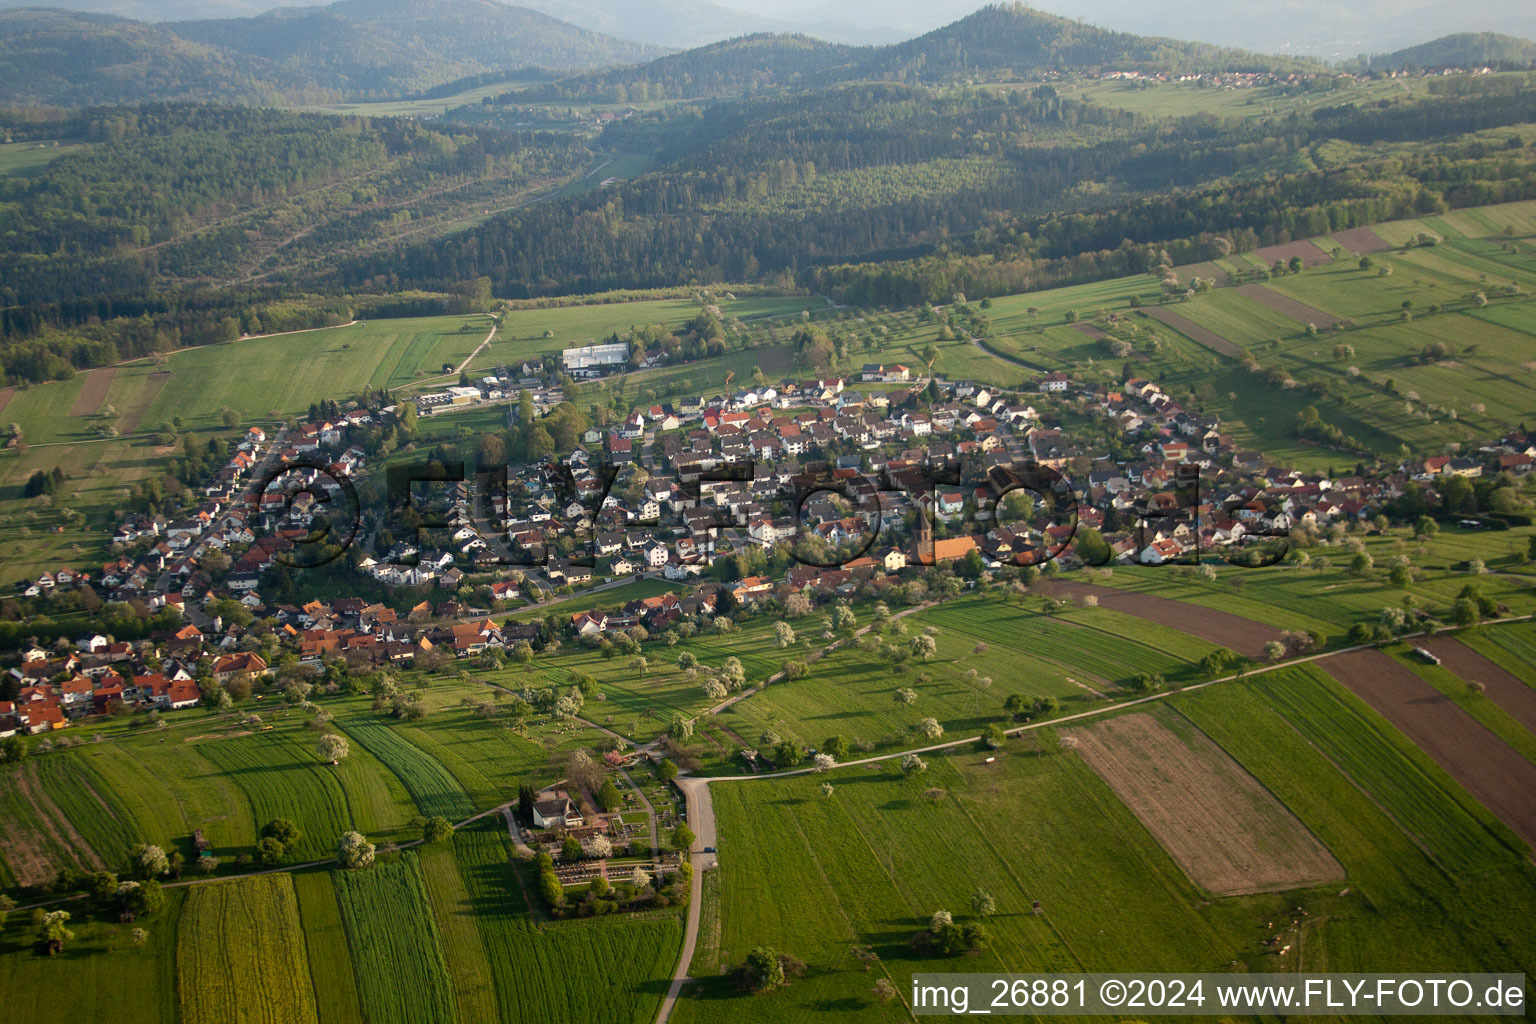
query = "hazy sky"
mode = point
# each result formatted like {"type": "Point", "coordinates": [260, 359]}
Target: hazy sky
{"type": "Point", "coordinates": [1326, 28]}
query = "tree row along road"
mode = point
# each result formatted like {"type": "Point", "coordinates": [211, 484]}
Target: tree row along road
{"type": "Point", "coordinates": [701, 812]}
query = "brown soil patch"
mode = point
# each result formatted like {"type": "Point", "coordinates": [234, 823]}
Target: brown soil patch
{"type": "Point", "coordinates": [1486, 766]}
{"type": "Point", "coordinates": [5, 398]}
{"type": "Point", "coordinates": [1287, 306]}
{"type": "Point", "coordinates": [1503, 688]}
{"type": "Point", "coordinates": [59, 827]}
{"type": "Point", "coordinates": [1310, 254]}
{"type": "Point", "coordinates": [1361, 240]}
{"type": "Point", "coordinates": [1228, 833]}
{"type": "Point", "coordinates": [1245, 636]}
{"type": "Point", "coordinates": [93, 393]}
{"type": "Point", "coordinates": [1090, 330]}
{"type": "Point", "coordinates": [1209, 271]}
{"type": "Point", "coordinates": [217, 736]}
{"type": "Point", "coordinates": [22, 851]}
{"type": "Point", "coordinates": [1194, 332]}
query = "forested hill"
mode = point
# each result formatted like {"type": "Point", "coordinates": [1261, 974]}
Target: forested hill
{"type": "Point", "coordinates": [1013, 37]}
{"type": "Point", "coordinates": [732, 68]}
{"type": "Point", "coordinates": [67, 58]}
{"type": "Point", "coordinates": [925, 187]}
{"type": "Point", "coordinates": [1462, 50]}
{"type": "Point", "coordinates": [386, 47]}
{"type": "Point", "coordinates": [355, 49]}
{"type": "Point", "coordinates": [993, 42]}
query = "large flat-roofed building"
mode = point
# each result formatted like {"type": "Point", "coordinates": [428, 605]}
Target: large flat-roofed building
{"type": "Point", "coordinates": [591, 360]}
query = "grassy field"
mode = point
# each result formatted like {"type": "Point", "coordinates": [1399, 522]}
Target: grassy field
{"type": "Point", "coordinates": [102, 974]}
{"type": "Point", "coordinates": [1186, 99]}
{"type": "Point", "coordinates": [432, 787]}
{"type": "Point", "coordinates": [401, 975]}
{"type": "Point", "coordinates": [325, 940]}
{"type": "Point", "coordinates": [1458, 833]}
{"type": "Point", "coordinates": [558, 963]}
{"type": "Point", "coordinates": [522, 332]}
{"type": "Point", "coordinates": [240, 955]}
{"type": "Point", "coordinates": [871, 862]}
{"type": "Point", "coordinates": [873, 859]}
{"type": "Point", "coordinates": [22, 158]}
{"type": "Point", "coordinates": [283, 778]}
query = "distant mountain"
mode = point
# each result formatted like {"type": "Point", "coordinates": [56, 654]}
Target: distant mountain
{"type": "Point", "coordinates": [1462, 50]}
{"type": "Point", "coordinates": [383, 47]}
{"type": "Point", "coordinates": [685, 23]}
{"type": "Point", "coordinates": [65, 58]}
{"type": "Point", "coordinates": [1321, 28]}
{"type": "Point", "coordinates": [351, 49]}
{"type": "Point", "coordinates": [995, 39]}
{"type": "Point", "coordinates": [156, 10]}
{"type": "Point", "coordinates": [736, 66]}
{"type": "Point", "coordinates": [1013, 36]}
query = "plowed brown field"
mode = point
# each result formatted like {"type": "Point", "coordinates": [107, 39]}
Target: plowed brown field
{"type": "Point", "coordinates": [1228, 833]}
{"type": "Point", "coordinates": [1486, 766]}
{"type": "Point", "coordinates": [1245, 636]}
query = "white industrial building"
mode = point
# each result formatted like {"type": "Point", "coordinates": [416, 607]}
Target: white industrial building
{"type": "Point", "coordinates": [594, 360]}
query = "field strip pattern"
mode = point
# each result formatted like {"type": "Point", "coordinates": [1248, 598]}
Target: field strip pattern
{"type": "Point", "coordinates": [1228, 833]}
{"type": "Point", "coordinates": [1308, 250]}
{"type": "Point", "coordinates": [97, 383]}
{"type": "Point", "coordinates": [1245, 636]}
{"type": "Point", "coordinates": [1194, 332]}
{"type": "Point", "coordinates": [1502, 687]}
{"type": "Point", "coordinates": [1361, 240]}
{"type": "Point", "coordinates": [154, 383]}
{"type": "Point", "coordinates": [1287, 306]}
{"type": "Point", "coordinates": [1489, 769]}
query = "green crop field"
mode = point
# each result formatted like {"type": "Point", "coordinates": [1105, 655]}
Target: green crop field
{"type": "Point", "coordinates": [1462, 837]}
{"type": "Point", "coordinates": [1513, 647]}
{"type": "Point", "coordinates": [325, 940]}
{"type": "Point", "coordinates": [470, 971]}
{"type": "Point", "coordinates": [434, 789]}
{"type": "Point", "coordinates": [557, 961]}
{"type": "Point", "coordinates": [170, 790]}
{"type": "Point", "coordinates": [240, 955]}
{"type": "Point", "coordinates": [401, 975]}
{"type": "Point", "coordinates": [1408, 914]}
{"type": "Point", "coordinates": [83, 798]}
{"type": "Point", "coordinates": [871, 862]}
{"type": "Point", "coordinates": [285, 780]}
